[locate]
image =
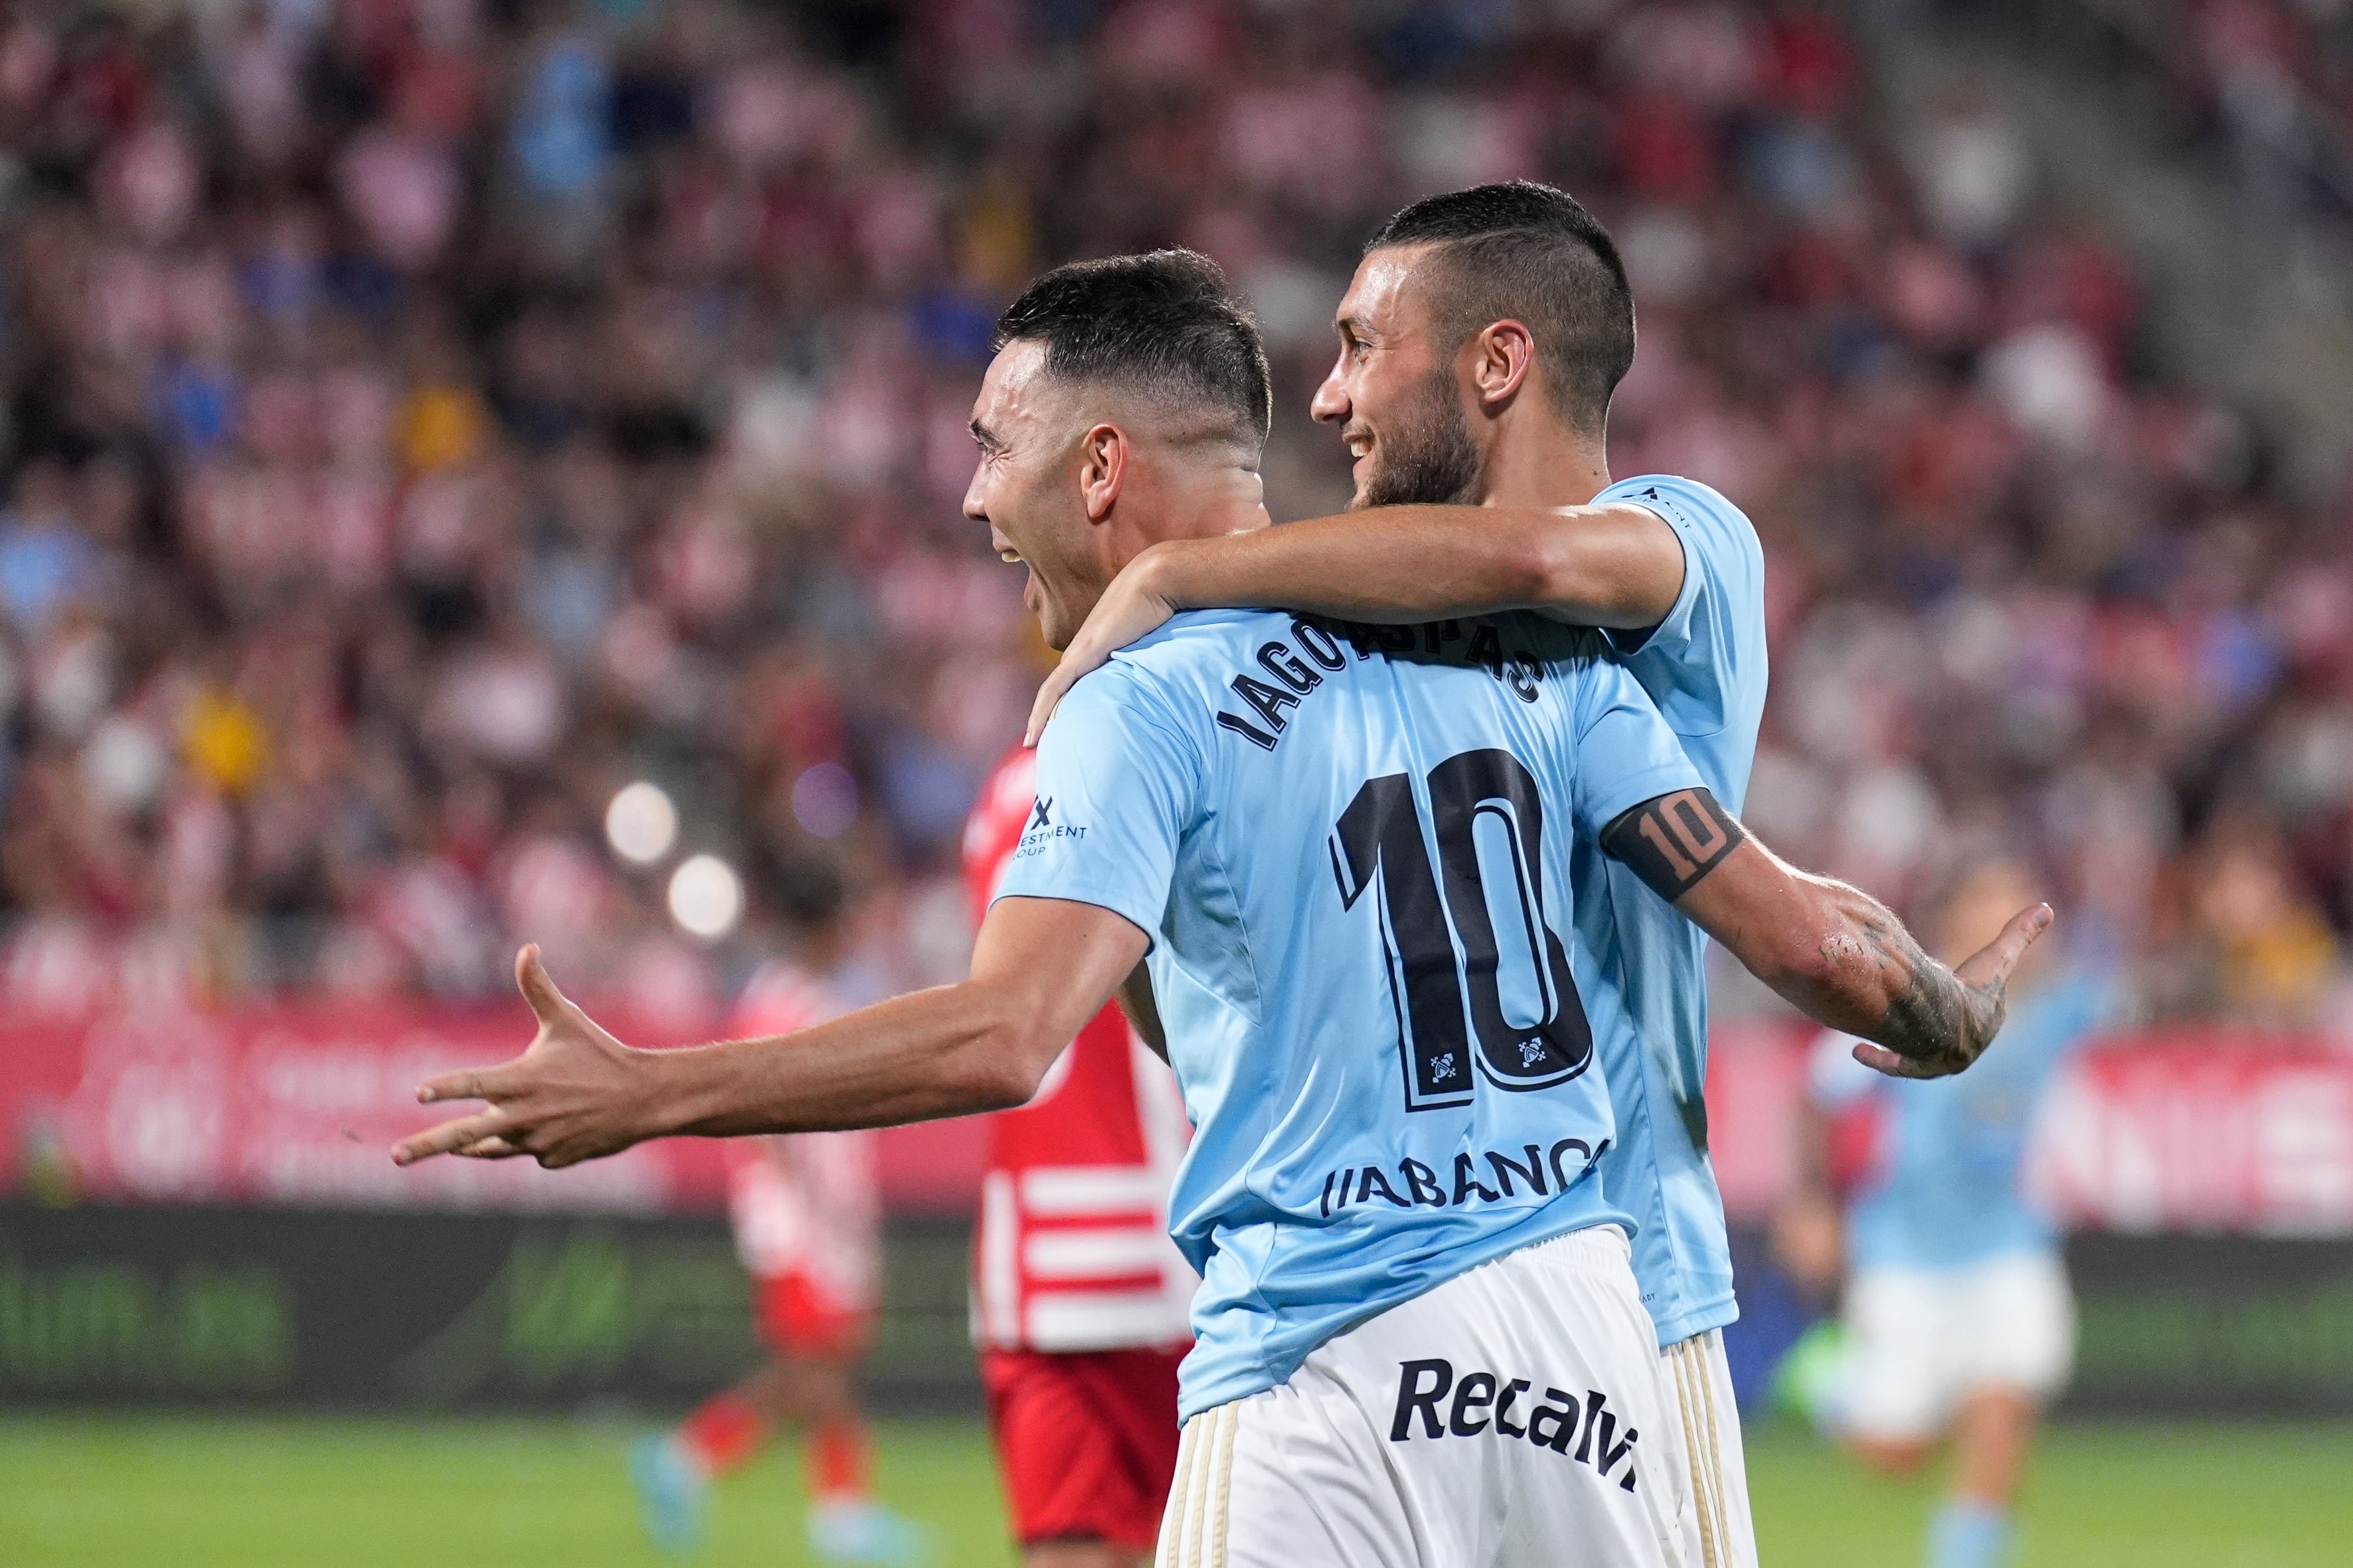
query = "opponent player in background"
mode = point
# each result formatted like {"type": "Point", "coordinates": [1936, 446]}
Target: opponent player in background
{"type": "Point", "coordinates": [808, 1214]}
{"type": "Point", "coordinates": [1079, 1297]}
{"type": "Point", "coordinates": [1348, 855]}
{"type": "Point", "coordinates": [1958, 1319]}
{"type": "Point", "coordinates": [1475, 494]}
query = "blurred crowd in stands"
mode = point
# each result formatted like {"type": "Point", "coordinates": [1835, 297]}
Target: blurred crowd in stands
{"type": "Point", "coordinates": [2266, 84]}
{"type": "Point", "coordinates": [421, 418]}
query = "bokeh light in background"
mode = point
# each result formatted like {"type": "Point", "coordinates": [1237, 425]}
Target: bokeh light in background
{"type": "Point", "coordinates": [641, 824]}
{"type": "Point", "coordinates": [706, 896]}
{"type": "Point", "coordinates": [824, 800]}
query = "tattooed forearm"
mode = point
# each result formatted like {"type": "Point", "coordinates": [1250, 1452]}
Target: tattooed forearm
{"type": "Point", "coordinates": [1874, 980]}
{"type": "Point", "coordinates": [1931, 1017]}
{"type": "Point", "coordinates": [1837, 955]}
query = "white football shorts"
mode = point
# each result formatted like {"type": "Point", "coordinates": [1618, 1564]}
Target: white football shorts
{"type": "Point", "coordinates": [1518, 1415]}
{"type": "Point", "coordinates": [1919, 1341]}
{"type": "Point", "coordinates": [1710, 1422]}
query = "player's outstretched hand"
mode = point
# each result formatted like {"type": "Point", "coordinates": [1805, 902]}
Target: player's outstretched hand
{"type": "Point", "coordinates": [576, 1094]}
{"type": "Point", "coordinates": [1131, 607]}
{"type": "Point", "coordinates": [1984, 987]}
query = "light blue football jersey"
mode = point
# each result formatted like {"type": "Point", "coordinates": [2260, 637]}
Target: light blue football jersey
{"type": "Point", "coordinates": [1351, 850]}
{"type": "Point", "coordinates": [1704, 667]}
{"type": "Point", "coordinates": [1944, 1186]}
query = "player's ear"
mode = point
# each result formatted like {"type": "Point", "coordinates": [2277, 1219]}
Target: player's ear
{"type": "Point", "coordinates": [1501, 356]}
{"type": "Point", "coordinates": [1103, 468]}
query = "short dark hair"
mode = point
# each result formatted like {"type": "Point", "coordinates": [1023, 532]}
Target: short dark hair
{"type": "Point", "coordinates": [1533, 254]}
{"type": "Point", "coordinates": [1163, 324]}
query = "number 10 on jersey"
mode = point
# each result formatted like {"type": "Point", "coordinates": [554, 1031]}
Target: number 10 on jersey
{"type": "Point", "coordinates": [1471, 961]}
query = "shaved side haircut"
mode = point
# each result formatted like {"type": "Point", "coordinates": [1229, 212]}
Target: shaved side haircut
{"type": "Point", "coordinates": [1528, 253]}
{"type": "Point", "coordinates": [1164, 324]}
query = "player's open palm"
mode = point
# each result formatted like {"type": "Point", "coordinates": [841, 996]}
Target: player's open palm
{"type": "Point", "coordinates": [577, 1093]}
{"type": "Point", "coordinates": [1978, 1000]}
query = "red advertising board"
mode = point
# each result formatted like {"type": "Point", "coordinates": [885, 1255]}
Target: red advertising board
{"type": "Point", "coordinates": [2210, 1133]}
{"type": "Point", "coordinates": [2200, 1134]}
{"type": "Point", "coordinates": [2206, 1131]}
{"type": "Point", "coordinates": [302, 1105]}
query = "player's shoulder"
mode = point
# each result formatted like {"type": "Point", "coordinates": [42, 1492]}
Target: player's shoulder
{"type": "Point", "coordinates": [1193, 653]}
{"type": "Point", "coordinates": [1549, 639]}
{"type": "Point", "coordinates": [1693, 508]}
{"type": "Point", "coordinates": [1575, 653]}
{"type": "Point", "coordinates": [1196, 638]}
{"type": "Point", "coordinates": [1671, 490]}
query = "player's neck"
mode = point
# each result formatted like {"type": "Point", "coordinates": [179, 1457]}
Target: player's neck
{"type": "Point", "coordinates": [1197, 501]}
{"type": "Point", "coordinates": [1545, 467]}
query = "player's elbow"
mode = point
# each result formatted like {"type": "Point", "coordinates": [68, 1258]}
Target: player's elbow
{"type": "Point", "coordinates": [1007, 1061]}
{"type": "Point", "coordinates": [1538, 567]}
{"type": "Point", "coordinates": [1591, 568]}
{"type": "Point", "coordinates": [984, 1078]}
{"type": "Point", "coordinates": [1020, 1069]}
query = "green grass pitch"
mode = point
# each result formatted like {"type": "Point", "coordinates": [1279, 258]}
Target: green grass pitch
{"type": "Point", "coordinates": [132, 1491]}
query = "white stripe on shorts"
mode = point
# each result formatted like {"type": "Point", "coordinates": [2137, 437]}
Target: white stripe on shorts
{"type": "Point", "coordinates": [1193, 1533]}
{"type": "Point", "coordinates": [1695, 1398]}
{"type": "Point", "coordinates": [1708, 1555]}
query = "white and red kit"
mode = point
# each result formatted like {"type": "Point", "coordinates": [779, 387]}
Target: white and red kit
{"type": "Point", "coordinates": [806, 1207]}
{"type": "Point", "coordinates": [1080, 1301]}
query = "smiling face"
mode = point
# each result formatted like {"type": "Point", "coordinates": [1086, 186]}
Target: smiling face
{"type": "Point", "coordinates": [1025, 489]}
{"type": "Point", "coordinates": [1395, 392]}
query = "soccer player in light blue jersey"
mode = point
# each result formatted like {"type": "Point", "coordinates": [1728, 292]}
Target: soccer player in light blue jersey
{"type": "Point", "coordinates": [1351, 857]}
{"type": "Point", "coordinates": [1474, 497]}
{"type": "Point", "coordinates": [1958, 1318]}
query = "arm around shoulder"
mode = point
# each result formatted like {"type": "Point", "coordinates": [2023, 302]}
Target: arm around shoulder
{"type": "Point", "coordinates": [1616, 565]}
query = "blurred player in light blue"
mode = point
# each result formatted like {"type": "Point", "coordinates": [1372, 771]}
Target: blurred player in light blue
{"type": "Point", "coordinates": [1958, 1321]}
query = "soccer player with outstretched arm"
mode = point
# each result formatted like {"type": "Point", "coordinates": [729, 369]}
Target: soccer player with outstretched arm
{"type": "Point", "coordinates": [1958, 1321]}
{"type": "Point", "coordinates": [1480, 344]}
{"type": "Point", "coordinates": [1359, 861]}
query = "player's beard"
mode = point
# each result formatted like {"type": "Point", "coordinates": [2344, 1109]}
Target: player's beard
{"type": "Point", "coordinates": [1426, 458]}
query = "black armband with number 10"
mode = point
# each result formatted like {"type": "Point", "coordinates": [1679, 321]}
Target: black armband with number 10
{"type": "Point", "coordinates": [1674, 840]}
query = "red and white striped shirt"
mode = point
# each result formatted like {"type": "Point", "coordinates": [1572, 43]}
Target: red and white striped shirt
{"type": "Point", "coordinates": [805, 1205]}
{"type": "Point", "coordinates": [1072, 1252]}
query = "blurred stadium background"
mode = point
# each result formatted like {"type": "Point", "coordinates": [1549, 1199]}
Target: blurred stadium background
{"type": "Point", "coordinates": [479, 469]}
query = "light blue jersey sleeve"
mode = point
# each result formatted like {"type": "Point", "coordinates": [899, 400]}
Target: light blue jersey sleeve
{"type": "Point", "coordinates": [1625, 755]}
{"type": "Point", "coordinates": [1704, 667]}
{"type": "Point", "coordinates": [1117, 781]}
{"type": "Point", "coordinates": [1704, 664]}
